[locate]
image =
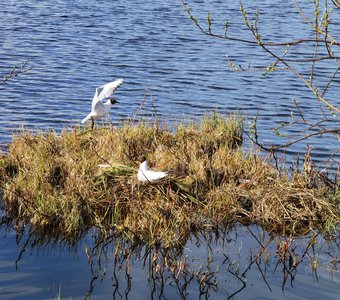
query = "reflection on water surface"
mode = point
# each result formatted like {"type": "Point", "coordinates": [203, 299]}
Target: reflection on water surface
{"type": "Point", "coordinates": [239, 263]}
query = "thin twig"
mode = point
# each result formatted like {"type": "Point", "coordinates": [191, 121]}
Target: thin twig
{"type": "Point", "coordinates": [330, 81]}
{"type": "Point", "coordinates": [326, 34]}
{"type": "Point", "coordinates": [25, 67]}
{"type": "Point", "coordinates": [265, 45]}
{"type": "Point", "coordinates": [307, 136]}
{"type": "Point", "coordinates": [336, 3]}
{"type": "Point", "coordinates": [139, 108]}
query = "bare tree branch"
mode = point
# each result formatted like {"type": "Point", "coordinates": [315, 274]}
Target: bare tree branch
{"type": "Point", "coordinates": [329, 41]}
{"type": "Point", "coordinates": [25, 67]}
{"type": "Point", "coordinates": [225, 36]}
{"type": "Point", "coordinates": [336, 3]}
{"type": "Point", "coordinates": [326, 34]}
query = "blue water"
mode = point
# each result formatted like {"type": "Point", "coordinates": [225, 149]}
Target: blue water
{"type": "Point", "coordinates": [75, 46]}
{"type": "Point", "coordinates": [44, 272]}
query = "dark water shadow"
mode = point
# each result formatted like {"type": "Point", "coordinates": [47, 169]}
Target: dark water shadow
{"type": "Point", "coordinates": [242, 261]}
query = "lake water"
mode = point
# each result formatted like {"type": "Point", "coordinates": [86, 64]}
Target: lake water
{"type": "Point", "coordinates": [75, 46]}
{"type": "Point", "coordinates": [45, 271]}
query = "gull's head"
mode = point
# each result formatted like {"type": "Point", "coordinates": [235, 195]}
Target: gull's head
{"type": "Point", "coordinates": [143, 162]}
{"type": "Point", "coordinates": [142, 159]}
{"type": "Point", "coordinates": [113, 101]}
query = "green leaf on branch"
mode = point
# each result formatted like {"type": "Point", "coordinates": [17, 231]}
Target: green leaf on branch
{"type": "Point", "coordinates": [244, 14]}
{"type": "Point", "coordinates": [209, 21]}
{"type": "Point", "coordinates": [253, 130]}
{"type": "Point", "coordinates": [259, 39]}
{"type": "Point", "coordinates": [226, 26]}
{"type": "Point", "coordinates": [276, 131]}
{"type": "Point", "coordinates": [194, 19]}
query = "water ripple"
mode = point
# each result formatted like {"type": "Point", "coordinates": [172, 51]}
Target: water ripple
{"type": "Point", "coordinates": [75, 47]}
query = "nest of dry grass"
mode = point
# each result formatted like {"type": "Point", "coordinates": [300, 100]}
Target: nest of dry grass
{"type": "Point", "coordinates": [55, 183]}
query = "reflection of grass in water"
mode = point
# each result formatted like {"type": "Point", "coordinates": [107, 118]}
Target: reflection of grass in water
{"type": "Point", "coordinates": [219, 263]}
{"type": "Point", "coordinates": [54, 183]}
{"type": "Point", "coordinates": [224, 268]}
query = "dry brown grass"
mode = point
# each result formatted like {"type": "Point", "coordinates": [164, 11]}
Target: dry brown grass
{"type": "Point", "coordinates": [53, 182]}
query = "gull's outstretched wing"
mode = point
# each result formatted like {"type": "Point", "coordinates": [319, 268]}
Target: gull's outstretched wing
{"type": "Point", "coordinates": [105, 91]}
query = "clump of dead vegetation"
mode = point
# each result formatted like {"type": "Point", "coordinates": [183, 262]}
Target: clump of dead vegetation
{"type": "Point", "coordinates": [57, 183]}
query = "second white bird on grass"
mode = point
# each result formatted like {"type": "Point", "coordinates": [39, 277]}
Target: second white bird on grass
{"type": "Point", "coordinates": [147, 175]}
{"type": "Point", "coordinates": [103, 101]}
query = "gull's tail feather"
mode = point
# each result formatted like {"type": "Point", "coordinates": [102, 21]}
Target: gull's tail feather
{"type": "Point", "coordinates": [86, 119]}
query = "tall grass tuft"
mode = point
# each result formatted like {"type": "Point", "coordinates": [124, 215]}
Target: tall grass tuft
{"type": "Point", "coordinates": [64, 184]}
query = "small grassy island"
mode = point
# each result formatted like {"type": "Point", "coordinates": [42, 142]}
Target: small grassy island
{"type": "Point", "coordinates": [64, 184]}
